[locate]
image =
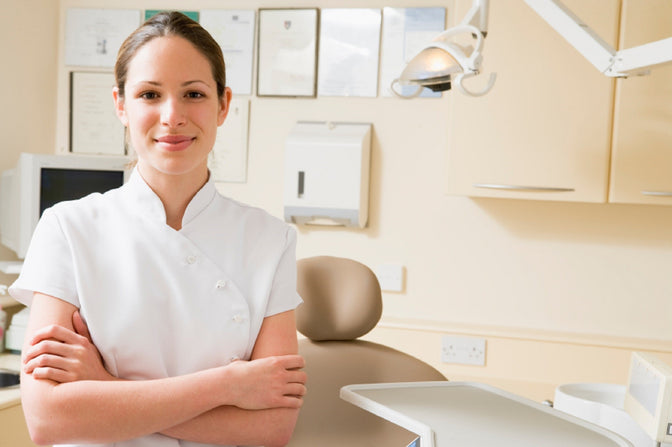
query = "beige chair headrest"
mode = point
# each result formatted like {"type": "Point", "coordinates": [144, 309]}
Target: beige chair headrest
{"type": "Point", "coordinates": [342, 298]}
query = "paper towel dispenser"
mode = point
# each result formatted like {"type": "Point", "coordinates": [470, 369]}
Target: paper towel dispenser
{"type": "Point", "coordinates": [327, 173]}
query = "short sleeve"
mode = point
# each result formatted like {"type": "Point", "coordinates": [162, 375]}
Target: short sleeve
{"type": "Point", "coordinates": [284, 296]}
{"type": "Point", "coordinates": [48, 266]}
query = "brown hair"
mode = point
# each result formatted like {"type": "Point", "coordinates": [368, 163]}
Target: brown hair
{"type": "Point", "coordinates": [171, 23]}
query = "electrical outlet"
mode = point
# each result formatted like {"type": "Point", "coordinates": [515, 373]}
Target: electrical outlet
{"type": "Point", "coordinates": [463, 350]}
{"type": "Point", "coordinates": [390, 277]}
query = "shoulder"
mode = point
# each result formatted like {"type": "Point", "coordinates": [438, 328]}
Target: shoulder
{"type": "Point", "coordinates": [254, 218]}
{"type": "Point", "coordinates": [92, 206]}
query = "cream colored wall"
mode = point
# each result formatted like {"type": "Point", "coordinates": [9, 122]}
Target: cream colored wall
{"type": "Point", "coordinates": [28, 105]}
{"type": "Point", "coordinates": [561, 291]}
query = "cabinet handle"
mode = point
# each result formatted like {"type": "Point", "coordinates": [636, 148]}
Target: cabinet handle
{"type": "Point", "coordinates": [657, 193]}
{"type": "Point", "coordinates": [521, 188]}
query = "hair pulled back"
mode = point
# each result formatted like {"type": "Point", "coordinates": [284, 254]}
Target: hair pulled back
{"type": "Point", "coordinates": [166, 24]}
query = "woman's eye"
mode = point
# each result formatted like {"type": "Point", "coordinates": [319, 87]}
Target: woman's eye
{"type": "Point", "coordinates": [149, 95]}
{"type": "Point", "coordinates": [195, 95]}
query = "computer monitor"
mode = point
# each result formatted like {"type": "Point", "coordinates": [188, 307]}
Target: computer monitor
{"type": "Point", "coordinates": [648, 396]}
{"type": "Point", "coordinates": [39, 181]}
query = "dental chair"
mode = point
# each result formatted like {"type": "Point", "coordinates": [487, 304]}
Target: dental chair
{"type": "Point", "coordinates": [342, 302]}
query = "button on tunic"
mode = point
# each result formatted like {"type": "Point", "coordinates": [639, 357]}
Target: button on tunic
{"type": "Point", "coordinates": [146, 290]}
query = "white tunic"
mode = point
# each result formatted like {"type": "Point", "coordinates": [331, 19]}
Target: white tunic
{"type": "Point", "coordinates": [161, 302]}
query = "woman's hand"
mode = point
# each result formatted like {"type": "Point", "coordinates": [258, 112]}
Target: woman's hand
{"type": "Point", "coordinates": [269, 382]}
{"type": "Point", "coordinates": [62, 355]}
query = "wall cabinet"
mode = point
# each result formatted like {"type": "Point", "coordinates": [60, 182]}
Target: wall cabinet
{"type": "Point", "coordinates": [544, 130]}
{"type": "Point", "coordinates": [641, 165]}
{"type": "Point", "coordinates": [553, 127]}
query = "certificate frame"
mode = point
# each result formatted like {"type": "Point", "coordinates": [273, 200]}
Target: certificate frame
{"type": "Point", "coordinates": [235, 32]}
{"type": "Point", "coordinates": [287, 53]}
{"type": "Point", "coordinates": [94, 125]}
{"type": "Point", "coordinates": [349, 52]}
{"type": "Point", "coordinates": [93, 36]}
{"type": "Point", "coordinates": [227, 160]}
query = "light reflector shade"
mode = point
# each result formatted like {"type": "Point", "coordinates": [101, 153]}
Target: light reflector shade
{"type": "Point", "coordinates": [430, 66]}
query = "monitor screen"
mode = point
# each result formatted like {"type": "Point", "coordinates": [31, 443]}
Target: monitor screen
{"type": "Point", "coordinates": [58, 184]}
{"type": "Point", "coordinates": [39, 181]}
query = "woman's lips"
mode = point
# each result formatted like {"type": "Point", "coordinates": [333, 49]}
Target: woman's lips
{"type": "Point", "coordinates": [174, 142]}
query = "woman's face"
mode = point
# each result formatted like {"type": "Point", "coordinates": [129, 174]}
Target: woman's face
{"type": "Point", "coordinates": [171, 108]}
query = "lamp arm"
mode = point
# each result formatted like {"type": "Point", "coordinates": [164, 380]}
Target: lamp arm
{"type": "Point", "coordinates": [578, 34]}
{"type": "Point", "coordinates": [642, 57]}
{"type": "Point", "coordinates": [470, 62]}
{"type": "Point", "coordinates": [461, 29]}
{"type": "Point", "coordinates": [477, 16]}
{"type": "Point", "coordinates": [460, 85]}
{"type": "Point", "coordinates": [598, 52]}
{"type": "Point", "coordinates": [415, 94]}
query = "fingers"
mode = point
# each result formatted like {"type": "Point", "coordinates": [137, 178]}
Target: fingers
{"type": "Point", "coordinates": [59, 354]}
{"type": "Point", "coordinates": [53, 339]}
{"type": "Point", "coordinates": [80, 326]}
{"type": "Point", "coordinates": [291, 397]}
{"type": "Point", "coordinates": [56, 332]}
{"type": "Point", "coordinates": [46, 361]}
{"type": "Point", "coordinates": [47, 347]}
{"type": "Point", "coordinates": [267, 382]}
{"type": "Point", "coordinates": [296, 377]}
{"type": "Point", "coordinates": [293, 376]}
{"type": "Point", "coordinates": [292, 361]}
{"type": "Point", "coordinates": [51, 354]}
{"type": "Point", "coordinates": [290, 402]}
{"type": "Point", "coordinates": [296, 390]}
{"type": "Point", "coordinates": [53, 374]}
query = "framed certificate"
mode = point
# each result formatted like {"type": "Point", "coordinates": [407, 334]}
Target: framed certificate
{"type": "Point", "coordinates": [233, 29]}
{"type": "Point", "coordinates": [93, 36]}
{"type": "Point", "coordinates": [94, 126]}
{"type": "Point", "coordinates": [228, 159]}
{"type": "Point", "coordinates": [287, 63]}
{"type": "Point", "coordinates": [349, 46]}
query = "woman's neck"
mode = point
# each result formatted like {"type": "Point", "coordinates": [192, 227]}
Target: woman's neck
{"type": "Point", "coordinates": [175, 191]}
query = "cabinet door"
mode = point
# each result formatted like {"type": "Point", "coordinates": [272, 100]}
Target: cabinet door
{"type": "Point", "coordinates": [13, 430]}
{"type": "Point", "coordinates": [641, 170]}
{"type": "Point", "coordinates": [544, 130]}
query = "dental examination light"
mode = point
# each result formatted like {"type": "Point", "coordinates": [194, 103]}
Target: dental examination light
{"type": "Point", "coordinates": [632, 61]}
{"type": "Point", "coordinates": [444, 62]}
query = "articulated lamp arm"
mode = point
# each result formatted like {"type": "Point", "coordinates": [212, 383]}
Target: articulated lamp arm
{"type": "Point", "coordinates": [444, 62]}
{"type": "Point", "coordinates": [633, 61]}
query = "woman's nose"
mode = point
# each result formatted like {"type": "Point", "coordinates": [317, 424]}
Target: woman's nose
{"type": "Point", "coordinates": [172, 113]}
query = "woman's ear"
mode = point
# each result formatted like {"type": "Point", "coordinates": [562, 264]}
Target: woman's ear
{"type": "Point", "coordinates": [119, 106]}
{"type": "Point", "coordinates": [224, 103]}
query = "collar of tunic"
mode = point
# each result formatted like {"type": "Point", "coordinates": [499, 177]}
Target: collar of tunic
{"type": "Point", "coordinates": [147, 203]}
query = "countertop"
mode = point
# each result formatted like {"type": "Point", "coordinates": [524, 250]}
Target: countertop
{"type": "Point", "coordinates": [10, 397]}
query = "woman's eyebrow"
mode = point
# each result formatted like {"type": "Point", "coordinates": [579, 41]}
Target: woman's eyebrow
{"type": "Point", "coordinates": [184, 84]}
{"type": "Point", "coordinates": [154, 83]}
{"type": "Point", "coordinates": [195, 81]}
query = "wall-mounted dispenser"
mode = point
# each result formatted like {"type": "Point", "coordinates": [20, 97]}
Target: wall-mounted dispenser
{"type": "Point", "coordinates": [327, 173]}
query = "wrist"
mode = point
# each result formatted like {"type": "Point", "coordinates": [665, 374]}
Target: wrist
{"type": "Point", "coordinates": [216, 388]}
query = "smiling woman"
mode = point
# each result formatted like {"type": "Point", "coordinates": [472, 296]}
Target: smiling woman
{"type": "Point", "coordinates": [167, 301]}
{"type": "Point", "coordinates": [171, 108]}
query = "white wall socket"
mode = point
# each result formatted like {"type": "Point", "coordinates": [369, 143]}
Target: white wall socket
{"type": "Point", "coordinates": [463, 350]}
{"type": "Point", "coordinates": [390, 277]}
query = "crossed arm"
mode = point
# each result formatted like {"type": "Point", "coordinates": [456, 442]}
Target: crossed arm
{"type": "Point", "coordinates": [68, 396]}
